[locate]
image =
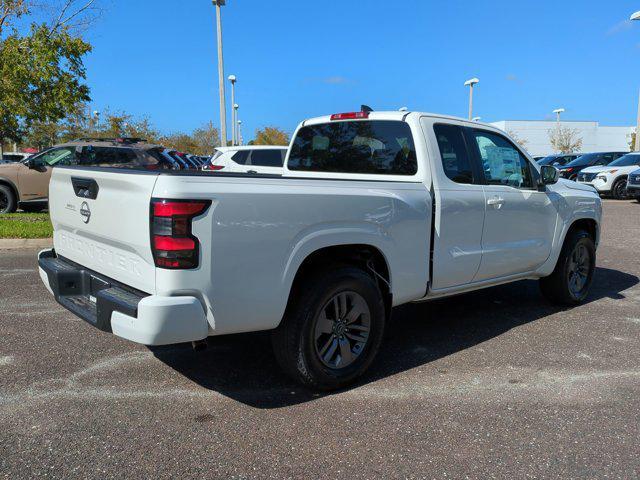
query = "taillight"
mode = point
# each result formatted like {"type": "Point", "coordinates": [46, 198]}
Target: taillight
{"type": "Point", "coordinates": [172, 243]}
{"type": "Point", "coordinates": [213, 167]}
{"type": "Point", "coordinates": [349, 115]}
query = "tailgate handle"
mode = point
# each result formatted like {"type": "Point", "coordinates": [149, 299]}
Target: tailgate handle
{"type": "Point", "coordinates": [85, 187]}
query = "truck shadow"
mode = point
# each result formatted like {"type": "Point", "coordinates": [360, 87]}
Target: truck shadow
{"type": "Point", "coordinates": [243, 368]}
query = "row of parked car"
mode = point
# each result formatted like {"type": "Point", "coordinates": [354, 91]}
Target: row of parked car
{"type": "Point", "coordinates": [616, 174]}
{"type": "Point", "coordinates": [24, 179]}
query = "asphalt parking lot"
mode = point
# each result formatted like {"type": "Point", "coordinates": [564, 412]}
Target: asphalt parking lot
{"type": "Point", "coordinates": [497, 383]}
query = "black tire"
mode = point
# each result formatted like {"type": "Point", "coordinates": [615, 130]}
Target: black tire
{"type": "Point", "coordinates": [619, 189]}
{"type": "Point", "coordinates": [296, 342]}
{"type": "Point", "coordinates": [557, 287]}
{"type": "Point", "coordinates": [7, 200]}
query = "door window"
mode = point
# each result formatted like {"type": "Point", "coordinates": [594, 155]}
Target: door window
{"type": "Point", "coordinates": [453, 152]}
{"type": "Point", "coordinates": [503, 164]}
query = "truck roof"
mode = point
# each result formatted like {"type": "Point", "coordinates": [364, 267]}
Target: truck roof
{"type": "Point", "coordinates": [393, 115]}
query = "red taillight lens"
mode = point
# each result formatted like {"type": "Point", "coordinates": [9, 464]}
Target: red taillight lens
{"type": "Point", "coordinates": [349, 115]}
{"type": "Point", "coordinates": [213, 167]}
{"type": "Point", "coordinates": [172, 242]}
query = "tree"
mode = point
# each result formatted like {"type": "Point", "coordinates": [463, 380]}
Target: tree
{"type": "Point", "coordinates": [565, 140]}
{"type": "Point", "coordinates": [206, 139]}
{"type": "Point", "coordinates": [271, 136]}
{"type": "Point", "coordinates": [41, 70]}
{"type": "Point", "coordinates": [520, 141]}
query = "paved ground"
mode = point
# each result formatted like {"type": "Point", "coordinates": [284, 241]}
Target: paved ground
{"type": "Point", "coordinates": [492, 384]}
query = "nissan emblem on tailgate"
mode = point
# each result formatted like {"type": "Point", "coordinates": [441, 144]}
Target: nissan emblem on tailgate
{"type": "Point", "coordinates": [85, 213]}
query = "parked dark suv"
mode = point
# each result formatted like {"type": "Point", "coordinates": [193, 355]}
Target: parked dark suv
{"type": "Point", "coordinates": [558, 159]}
{"type": "Point", "coordinates": [26, 184]}
{"type": "Point", "coordinates": [571, 169]}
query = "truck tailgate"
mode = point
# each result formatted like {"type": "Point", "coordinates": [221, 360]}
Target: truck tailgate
{"type": "Point", "coordinates": [101, 221]}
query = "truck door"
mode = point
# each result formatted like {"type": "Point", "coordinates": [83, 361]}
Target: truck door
{"type": "Point", "coordinates": [460, 207]}
{"type": "Point", "coordinates": [520, 221]}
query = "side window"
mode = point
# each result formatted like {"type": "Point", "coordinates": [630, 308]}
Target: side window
{"type": "Point", "coordinates": [241, 157]}
{"type": "Point", "coordinates": [605, 159]}
{"type": "Point", "coordinates": [108, 156]}
{"type": "Point", "coordinates": [454, 154]}
{"type": "Point", "coordinates": [58, 156]}
{"type": "Point", "coordinates": [267, 158]}
{"type": "Point", "coordinates": [503, 163]}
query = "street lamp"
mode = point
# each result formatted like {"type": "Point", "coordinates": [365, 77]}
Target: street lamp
{"type": "Point", "coordinates": [223, 110]}
{"type": "Point", "coordinates": [636, 144]}
{"type": "Point", "coordinates": [470, 83]}
{"type": "Point", "coordinates": [232, 79]}
{"type": "Point", "coordinates": [235, 122]}
{"type": "Point", "coordinates": [239, 132]}
{"type": "Point", "coordinates": [558, 111]}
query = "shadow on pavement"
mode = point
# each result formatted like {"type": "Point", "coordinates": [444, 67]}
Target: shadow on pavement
{"type": "Point", "coordinates": [243, 368]}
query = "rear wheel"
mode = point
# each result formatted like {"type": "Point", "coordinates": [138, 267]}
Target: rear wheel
{"type": "Point", "coordinates": [571, 279]}
{"type": "Point", "coordinates": [7, 200]}
{"type": "Point", "coordinates": [332, 330]}
{"type": "Point", "coordinates": [619, 189]}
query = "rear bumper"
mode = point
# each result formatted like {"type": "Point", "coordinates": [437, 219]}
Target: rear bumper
{"type": "Point", "coordinates": [116, 308]}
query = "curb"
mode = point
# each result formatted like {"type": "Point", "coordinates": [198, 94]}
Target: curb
{"type": "Point", "coordinates": [25, 243]}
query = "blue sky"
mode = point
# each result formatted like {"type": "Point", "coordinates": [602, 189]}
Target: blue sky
{"type": "Point", "coordinates": [298, 58]}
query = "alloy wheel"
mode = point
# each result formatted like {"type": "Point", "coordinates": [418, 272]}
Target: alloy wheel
{"type": "Point", "coordinates": [342, 329]}
{"type": "Point", "coordinates": [579, 269]}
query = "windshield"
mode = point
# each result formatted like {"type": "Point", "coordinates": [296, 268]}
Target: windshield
{"type": "Point", "coordinates": [626, 161]}
{"type": "Point", "coordinates": [583, 160]}
{"type": "Point", "coordinates": [547, 160]}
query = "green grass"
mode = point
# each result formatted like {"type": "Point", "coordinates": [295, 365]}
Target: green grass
{"type": "Point", "coordinates": [25, 225]}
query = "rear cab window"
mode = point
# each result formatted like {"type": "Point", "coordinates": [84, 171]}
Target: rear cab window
{"type": "Point", "coordinates": [379, 147]}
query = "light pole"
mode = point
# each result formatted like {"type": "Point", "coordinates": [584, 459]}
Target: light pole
{"type": "Point", "coordinates": [558, 111]}
{"type": "Point", "coordinates": [239, 132]}
{"type": "Point", "coordinates": [235, 122]}
{"type": "Point", "coordinates": [232, 79]}
{"type": "Point", "coordinates": [223, 111]}
{"type": "Point", "coordinates": [470, 83]}
{"type": "Point", "coordinates": [636, 144]}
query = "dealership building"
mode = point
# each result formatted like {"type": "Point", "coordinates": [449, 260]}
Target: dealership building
{"type": "Point", "coordinates": [595, 138]}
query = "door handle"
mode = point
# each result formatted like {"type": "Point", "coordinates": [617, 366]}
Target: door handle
{"type": "Point", "coordinates": [496, 202]}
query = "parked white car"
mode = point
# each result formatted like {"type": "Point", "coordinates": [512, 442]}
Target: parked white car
{"type": "Point", "coordinates": [611, 179]}
{"type": "Point", "coordinates": [265, 159]}
{"type": "Point", "coordinates": [11, 157]}
{"type": "Point", "coordinates": [374, 210]}
{"type": "Point", "coordinates": [633, 185]}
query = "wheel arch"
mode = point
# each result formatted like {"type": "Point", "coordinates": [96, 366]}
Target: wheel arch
{"type": "Point", "coordinates": [364, 256]}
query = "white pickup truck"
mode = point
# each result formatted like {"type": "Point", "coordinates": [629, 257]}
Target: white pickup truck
{"type": "Point", "coordinates": [374, 210]}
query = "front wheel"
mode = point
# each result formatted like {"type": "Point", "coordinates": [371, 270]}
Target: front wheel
{"type": "Point", "coordinates": [571, 279]}
{"type": "Point", "coordinates": [7, 200]}
{"type": "Point", "coordinates": [332, 329]}
{"type": "Point", "coordinates": [619, 189]}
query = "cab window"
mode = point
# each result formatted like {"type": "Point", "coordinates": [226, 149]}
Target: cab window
{"type": "Point", "coordinates": [57, 157]}
{"type": "Point", "coordinates": [502, 162]}
{"type": "Point", "coordinates": [453, 152]}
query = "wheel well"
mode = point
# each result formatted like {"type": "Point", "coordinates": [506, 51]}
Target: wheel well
{"type": "Point", "coordinates": [366, 257]}
{"type": "Point", "coordinates": [588, 225]}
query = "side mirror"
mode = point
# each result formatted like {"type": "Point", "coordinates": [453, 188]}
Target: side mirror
{"type": "Point", "coordinates": [31, 165]}
{"type": "Point", "coordinates": [549, 174]}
